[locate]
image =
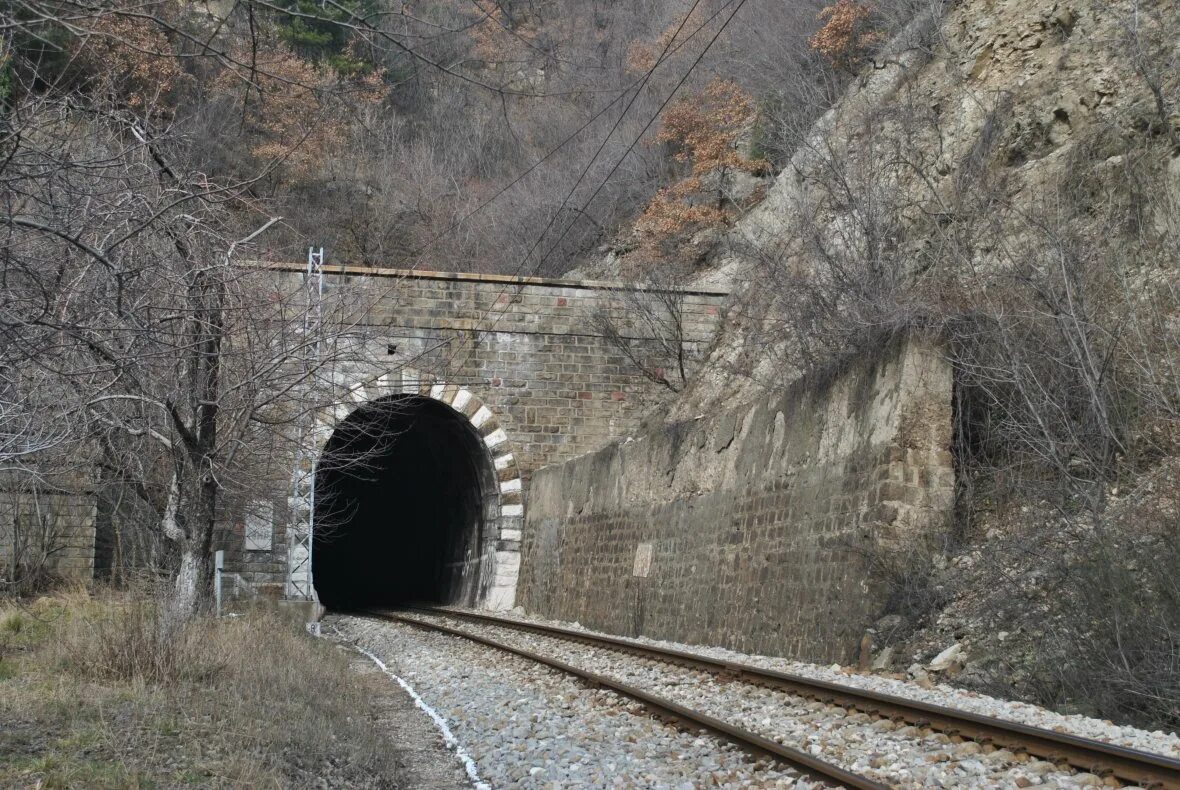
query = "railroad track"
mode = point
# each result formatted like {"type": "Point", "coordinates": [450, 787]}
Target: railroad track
{"type": "Point", "coordinates": [666, 709]}
{"type": "Point", "coordinates": [1128, 765]}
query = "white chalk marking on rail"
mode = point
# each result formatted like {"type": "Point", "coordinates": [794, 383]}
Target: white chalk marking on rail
{"type": "Point", "coordinates": [448, 737]}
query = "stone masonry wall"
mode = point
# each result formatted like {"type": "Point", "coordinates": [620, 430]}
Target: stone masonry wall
{"type": "Point", "coordinates": [531, 352]}
{"type": "Point", "coordinates": [748, 529]}
{"type": "Point", "coordinates": [56, 529]}
{"type": "Point", "coordinates": [534, 349]}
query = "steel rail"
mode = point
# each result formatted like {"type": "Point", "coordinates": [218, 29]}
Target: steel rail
{"type": "Point", "coordinates": [1139, 767]}
{"type": "Point", "coordinates": [666, 709]}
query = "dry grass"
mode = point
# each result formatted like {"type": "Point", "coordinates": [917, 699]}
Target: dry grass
{"type": "Point", "coordinates": [95, 692]}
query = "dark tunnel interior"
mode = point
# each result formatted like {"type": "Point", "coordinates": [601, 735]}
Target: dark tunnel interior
{"type": "Point", "coordinates": [399, 507]}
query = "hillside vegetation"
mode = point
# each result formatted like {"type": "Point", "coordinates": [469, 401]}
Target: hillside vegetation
{"type": "Point", "coordinates": [476, 135]}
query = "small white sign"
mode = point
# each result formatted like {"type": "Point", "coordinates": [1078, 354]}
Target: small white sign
{"type": "Point", "coordinates": [642, 561]}
{"type": "Point", "coordinates": [260, 526]}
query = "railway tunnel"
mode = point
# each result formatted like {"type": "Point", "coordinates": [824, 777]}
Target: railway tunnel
{"type": "Point", "coordinates": [402, 495]}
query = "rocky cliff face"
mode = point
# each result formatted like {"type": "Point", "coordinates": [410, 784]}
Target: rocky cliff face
{"type": "Point", "coordinates": [974, 122]}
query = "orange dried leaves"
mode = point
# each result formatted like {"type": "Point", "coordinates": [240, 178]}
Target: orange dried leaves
{"type": "Point", "coordinates": [847, 34]}
{"type": "Point", "coordinates": [705, 129]}
{"type": "Point", "coordinates": [132, 59]}
{"type": "Point", "coordinates": [286, 105]}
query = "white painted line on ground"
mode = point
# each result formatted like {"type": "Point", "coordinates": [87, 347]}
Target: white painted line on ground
{"type": "Point", "coordinates": [439, 721]}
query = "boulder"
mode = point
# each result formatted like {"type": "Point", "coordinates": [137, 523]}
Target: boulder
{"type": "Point", "coordinates": [952, 656]}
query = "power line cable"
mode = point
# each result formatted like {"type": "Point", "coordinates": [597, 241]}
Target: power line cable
{"type": "Point", "coordinates": [618, 121]}
{"type": "Point", "coordinates": [552, 152]}
{"type": "Point", "coordinates": [565, 201]}
{"type": "Point", "coordinates": [638, 137]}
{"type": "Point", "coordinates": [634, 142]}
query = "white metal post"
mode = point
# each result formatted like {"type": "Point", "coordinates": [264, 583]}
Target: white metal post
{"type": "Point", "coordinates": [218, 567]}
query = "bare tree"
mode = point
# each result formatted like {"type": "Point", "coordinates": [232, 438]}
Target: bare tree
{"type": "Point", "coordinates": [169, 364]}
{"type": "Point", "coordinates": [646, 325]}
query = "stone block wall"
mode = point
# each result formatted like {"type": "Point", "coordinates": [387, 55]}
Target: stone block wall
{"type": "Point", "coordinates": [256, 545]}
{"type": "Point", "coordinates": [749, 528]}
{"type": "Point", "coordinates": [527, 360]}
{"type": "Point", "coordinates": [532, 349]}
{"type": "Point", "coordinates": [57, 529]}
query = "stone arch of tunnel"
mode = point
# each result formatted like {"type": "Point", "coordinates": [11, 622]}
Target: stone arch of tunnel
{"type": "Point", "coordinates": [409, 505]}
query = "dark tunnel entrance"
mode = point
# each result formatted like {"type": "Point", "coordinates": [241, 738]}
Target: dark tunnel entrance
{"type": "Point", "coordinates": [400, 507]}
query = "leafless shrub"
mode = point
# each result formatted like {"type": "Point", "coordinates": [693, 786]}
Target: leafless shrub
{"type": "Point", "coordinates": [647, 327]}
{"type": "Point", "coordinates": [906, 572]}
{"type": "Point", "coordinates": [136, 640]}
{"type": "Point", "coordinates": [1115, 646]}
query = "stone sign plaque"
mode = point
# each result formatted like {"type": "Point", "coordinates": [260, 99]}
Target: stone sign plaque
{"type": "Point", "coordinates": [642, 561]}
{"type": "Point", "coordinates": [259, 526]}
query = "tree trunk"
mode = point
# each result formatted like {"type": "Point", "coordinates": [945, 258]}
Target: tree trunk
{"type": "Point", "coordinates": [185, 596]}
{"type": "Point", "coordinates": [193, 534]}
{"type": "Point", "coordinates": [194, 582]}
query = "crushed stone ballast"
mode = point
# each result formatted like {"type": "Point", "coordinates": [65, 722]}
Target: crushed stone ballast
{"type": "Point", "coordinates": [667, 709]}
{"type": "Point", "coordinates": [525, 724]}
{"type": "Point", "coordinates": [876, 724]}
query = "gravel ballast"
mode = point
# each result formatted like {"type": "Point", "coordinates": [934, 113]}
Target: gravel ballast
{"type": "Point", "coordinates": [889, 752]}
{"type": "Point", "coordinates": [424, 762]}
{"type": "Point", "coordinates": [526, 725]}
{"type": "Point", "coordinates": [1157, 742]}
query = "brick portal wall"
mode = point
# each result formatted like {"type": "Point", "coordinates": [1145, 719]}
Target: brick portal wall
{"type": "Point", "coordinates": [531, 350]}
{"type": "Point", "coordinates": [749, 529]}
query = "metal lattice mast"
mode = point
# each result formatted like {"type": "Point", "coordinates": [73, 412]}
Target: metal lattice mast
{"type": "Point", "coordinates": [300, 542]}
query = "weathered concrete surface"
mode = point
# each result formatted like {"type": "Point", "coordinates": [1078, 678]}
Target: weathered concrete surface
{"type": "Point", "coordinates": [749, 528]}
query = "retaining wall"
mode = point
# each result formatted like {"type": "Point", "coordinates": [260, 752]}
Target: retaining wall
{"type": "Point", "coordinates": [54, 529]}
{"type": "Point", "coordinates": [750, 529]}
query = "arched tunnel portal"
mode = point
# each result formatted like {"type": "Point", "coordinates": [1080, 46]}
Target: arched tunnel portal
{"type": "Point", "coordinates": [405, 505]}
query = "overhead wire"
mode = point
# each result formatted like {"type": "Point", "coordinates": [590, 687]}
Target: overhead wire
{"type": "Point", "coordinates": [605, 140]}
{"type": "Point", "coordinates": [670, 48]}
{"type": "Point", "coordinates": [644, 131]}
{"type": "Point", "coordinates": [618, 163]}
{"type": "Point", "coordinates": [553, 151]}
